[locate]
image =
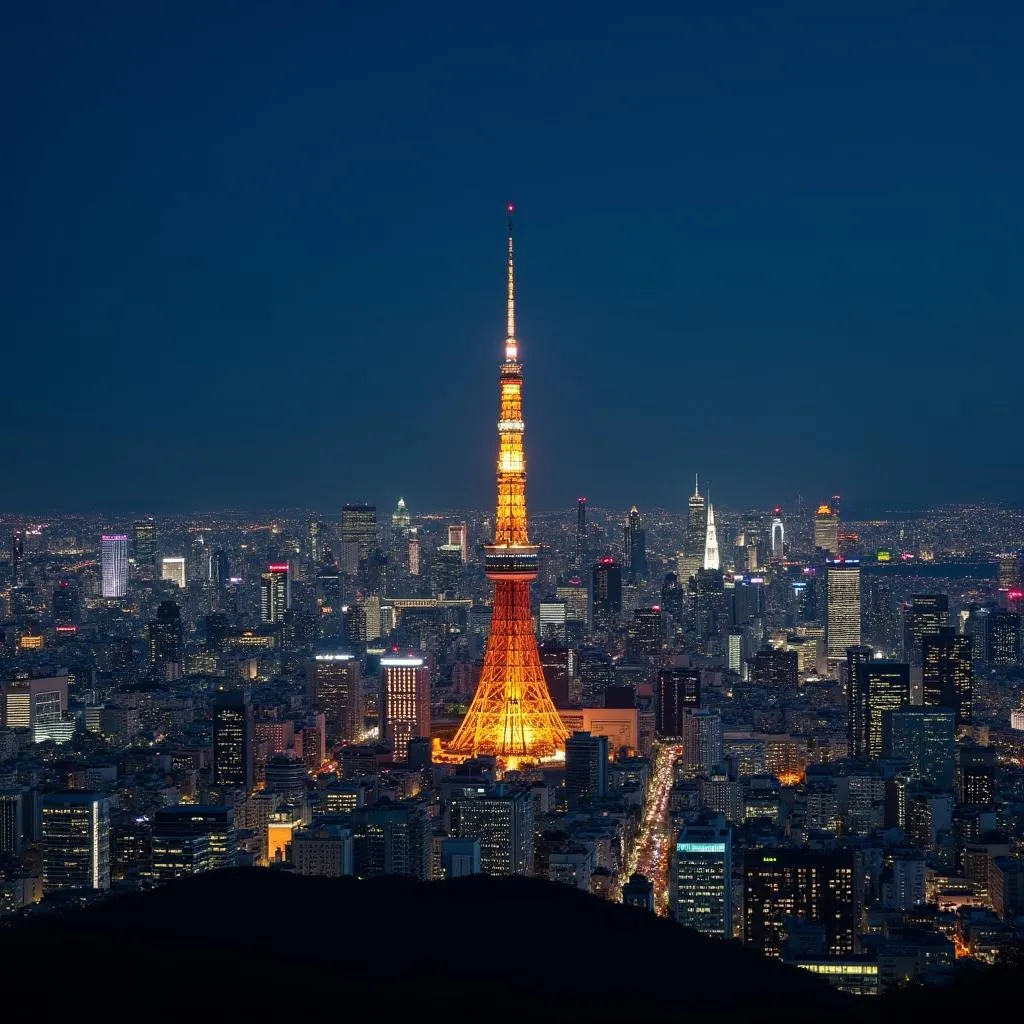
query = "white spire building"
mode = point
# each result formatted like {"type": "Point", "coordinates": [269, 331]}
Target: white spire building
{"type": "Point", "coordinates": [711, 540]}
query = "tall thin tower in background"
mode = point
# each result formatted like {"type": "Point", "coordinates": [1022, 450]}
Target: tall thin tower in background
{"type": "Point", "coordinates": [512, 716]}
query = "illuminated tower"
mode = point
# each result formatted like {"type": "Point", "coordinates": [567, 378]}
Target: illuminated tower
{"type": "Point", "coordinates": [512, 716]}
{"type": "Point", "coordinates": [711, 540]}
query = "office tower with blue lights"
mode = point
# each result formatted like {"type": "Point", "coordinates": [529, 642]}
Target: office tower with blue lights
{"type": "Point", "coordinates": [114, 564]}
{"type": "Point", "coordinates": [700, 878]}
{"type": "Point", "coordinates": [924, 737]}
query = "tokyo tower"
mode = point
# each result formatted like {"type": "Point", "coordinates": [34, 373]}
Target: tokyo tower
{"type": "Point", "coordinates": [512, 716]}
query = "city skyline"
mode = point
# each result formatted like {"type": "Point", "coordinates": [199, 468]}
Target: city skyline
{"type": "Point", "coordinates": [719, 286]}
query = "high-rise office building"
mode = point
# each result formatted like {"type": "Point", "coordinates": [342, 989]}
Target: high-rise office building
{"type": "Point", "coordinates": [775, 667]}
{"type": "Point", "coordinates": [558, 665]}
{"type": "Point", "coordinates": [405, 702]}
{"type": "Point", "coordinates": [636, 546]}
{"type": "Point", "coordinates": [358, 534]}
{"type": "Point", "coordinates": [702, 739]}
{"type": "Point", "coordinates": [948, 672]}
{"type": "Point", "coordinates": [334, 688]}
{"type": "Point", "coordinates": [925, 737]}
{"type": "Point", "coordinates": [551, 621]}
{"type": "Point", "coordinates": [675, 690]}
{"type": "Point", "coordinates": [64, 604]}
{"type": "Point", "coordinates": [586, 769]}
{"type": "Point", "coordinates": [503, 822]}
{"type": "Point", "coordinates": [877, 687]}
{"type": "Point", "coordinates": [18, 574]}
{"type": "Point", "coordinates": [695, 538]}
{"type": "Point", "coordinates": [458, 537]}
{"type": "Point", "coordinates": [814, 885]}
{"type": "Point", "coordinates": [606, 594]}
{"type": "Point", "coordinates": [167, 642]}
{"type": "Point", "coordinates": [778, 535]}
{"type": "Point", "coordinates": [76, 841]}
{"type": "Point", "coordinates": [189, 839]}
{"type": "Point", "coordinates": [400, 519]}
{"type": "Point", "coordinates": [842, 605]}
{"type": "Point", "coordinates": [12, 820]}
{"type": "Point", "coordinates": [172, 569]}
{"type": "Point", "coordinates": [925, 616]}
{"type": "Point", "coordinates": [391, 839]}
{"type": "Point", "coordinates": [414, 552]}
{"type": "Point", "coordinates": [645, 636]}
{"type": "Point", "coordinates": [275, 592]}
{"type": "Point", "coordinates": [1004, 638]}
{"type": "Point", "coordinates": [233, 740]}
{"type": "Point", "coordinates": [700, 878]}
{"type": "Point", "coordinates": [114, 564]}
{"type": "Point", "coordinates": [826, 530]}
{"type": "Point", "coordinates": [856, 656]}
{"type": "Point", "coordinates": [144, 547]}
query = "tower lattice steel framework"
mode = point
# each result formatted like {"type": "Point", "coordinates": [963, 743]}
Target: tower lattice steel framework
{"type": "Point", "coordinates": [512, 716]}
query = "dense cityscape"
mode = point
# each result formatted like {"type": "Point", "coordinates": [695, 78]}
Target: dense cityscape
{"type": "Point", "coordinates": [781, 727]}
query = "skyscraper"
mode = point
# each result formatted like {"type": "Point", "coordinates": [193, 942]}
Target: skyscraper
{"type": "Point", "coordinates": [358, 534]}
{"type": "Point", "coordinates": [334, 688]}
{"type": "Point", "coordinates": [144, 547]}
{"type": "Point", "coordinates": [400, 519]}
{"type": "Point", "coordinates": [826, 530]}
{"type": "Point", "coordinates": [878, 687]}
{"type": "Point", "coordinates": [927, 614]}
{"type": "Point", "coordinates": [189, 839]}
{"type": "Point", "coordinates": [606, 594]}
{"type": "Point", "coordinates": [778, 535]}
{"type": "Point", "coordinates": [18, 577]}
{"type": "Point", "coordinates": [405, 702]}
{"type": "Point", "coordinates": [636, 545]}
{"type": "Point", "coordinates": [1004, 638]}
{"type": "Point", "coordinates": [172, 569]}
{"type": "Point", "coordinates": [948, 672]}
{"type": "Point", "coordinates": [700, 878]}
{"type": "Point", "coordinates": [925, 737]}
{"type": "Point", "coordinates": [232, 740]}
{"type": "Point", "coordinates": [414, 552]}
{"type": "Point", "coordinates": [809, 884]}
{"type": "Point", "coordinates": [114, 564]}
{"type": "Point", "coordinates": [842, 604]}
{"type": "Point", "coordinates": [166, 642]}
{"type": "Point", "coordinates": [711, 540]}
{"type": "Point", "coordinates": [675, 690]}
{"type": "Point", "coordinates": [695, 539]}
{"type": "Point", "coordinates": [581, 532]}
{"type": "Point", "coordinates": [586, 769]}
{"type": "Point", "coordinates": [702, 739]}
{"type": "Point", "coordinates": [76, 840]}
{"type": "Point", "coordinates": [512, 715]}
{"type": "Point", "coordinates": [458, 537]}
{"type": "Point", "coordinates": [275, 592]}
{"type": "Point", "coordinates": [503, 822]}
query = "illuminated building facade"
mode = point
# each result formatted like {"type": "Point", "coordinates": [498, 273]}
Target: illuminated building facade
{"type": "Point", "coordinates": [924, 737]}
{"type": "Point", "coordinates": [948, 672]}
{"type": "Point", "coordinates": [606, 594]}
{"type": "Point", "coordinates": [814, 885]}
{"type": "Point", "coordinates": [876, 687]}
{"type": "Point", "coordinates": [702, 739]}
{"type": "Point", "coordinates": [1003, 638]}
{"type": "Point", "coordinates": [842, 607]}
{"type": "Point", "coordinates": [458, 536]}
{"type": "Point", "coordinates": [675, 690]}
{"type": "Point", "coordinates": [503, 822]}
{"type": "Point", "coordinates": [275, 592]}
{"type": "Point", "coordinates": [358, 535]}
{"type": "Point", "coordinates": [189, 839]}
{"type": "Point", "coordinates": [414, 552]}
{"type": "Point", "coordinates": [695, 539]}
{"type": "Point", "coordinates": [927, 614]}
{"type": "Point", "coordinates": [166, 642]}
{"type": "Point", "coordinates": [586, 769]}
{"type": "Point", "coordinates": [512, 716]}
{"type": "Point", "coordinates": [700, 878]}
{"type": "Point", "coordinates": [173, 569]}
{"type": "Point", "coordinates": [233, 740]}
{"type": "Point", "coordinates": [826, 530]}
{"type": "Point", "coordinates": [114, 564]}
{"type": "Point", "coordinates": [334, 688]}
{"type": "Point", "coordinates": [778, 535]}
{"type": "Point", "coordinates": [404, 702]}
{"type": "Point", "coordinates": [711, 540]}
{"type": "Point", "coordinates": [144, 547]}
{"type": "Point", "coordinates": [76, 841]}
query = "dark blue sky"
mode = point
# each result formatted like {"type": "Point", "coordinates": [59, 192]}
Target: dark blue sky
{"type": "Point", "coordinates": [253, 256]}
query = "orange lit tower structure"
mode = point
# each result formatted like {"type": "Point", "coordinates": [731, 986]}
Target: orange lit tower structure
{"type": "Point", "coordinates": [512, 716]}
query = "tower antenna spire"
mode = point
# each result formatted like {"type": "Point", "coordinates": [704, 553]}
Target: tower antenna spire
{"type": "Point", "coordinates": [696, 486]}
{"type": "Point", "coordinates": [511, 298]}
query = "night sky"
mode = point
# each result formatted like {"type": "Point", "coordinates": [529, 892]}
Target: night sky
{"type": "Point", "coordinates": [253, 257]}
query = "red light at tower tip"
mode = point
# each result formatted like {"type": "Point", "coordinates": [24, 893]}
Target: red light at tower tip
{"type": "Point", "coordinates": [511, 208]}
